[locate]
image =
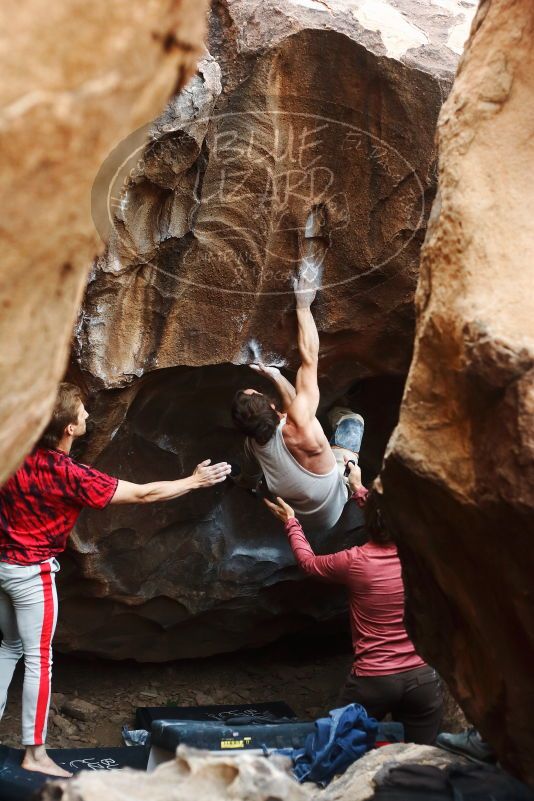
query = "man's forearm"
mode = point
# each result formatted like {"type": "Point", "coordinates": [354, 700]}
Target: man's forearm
{"type": "Point", "coordinates": [128, 492]}
{"type": "Point", "coordinates": [308, 336]}
{"type": "Point", "coordinates": [285, 388]}
{"type": "Point", "coordinates": [166, 490]}
{"type": "Point", "coordinates": [205, 475]}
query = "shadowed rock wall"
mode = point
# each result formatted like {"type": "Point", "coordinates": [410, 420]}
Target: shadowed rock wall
{"type": "Point", "coordinates": [76, 78]}
{"type": "Point", "coordinates": [203, 574]}
{"type": "Point", "coordinates": [305, 114]}
{"type": "Point", "coordinates": [459, 475]}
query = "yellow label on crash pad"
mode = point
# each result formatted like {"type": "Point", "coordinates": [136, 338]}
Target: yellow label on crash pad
{"type": "Point", "coordinates": [235, 743]}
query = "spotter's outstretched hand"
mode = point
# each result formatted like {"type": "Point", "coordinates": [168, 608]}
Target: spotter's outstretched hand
{"type": "Point", "coordinates": [280, 509]}
{"type": "Point", "coordinates": [207, 474]}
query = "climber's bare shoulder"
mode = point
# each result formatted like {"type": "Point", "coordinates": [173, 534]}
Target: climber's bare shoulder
{"type": "Point", "coordinates": [308, 444]}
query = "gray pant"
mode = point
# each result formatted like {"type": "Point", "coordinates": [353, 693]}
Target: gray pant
{"type": "Point", "coordinates": [28, 615]}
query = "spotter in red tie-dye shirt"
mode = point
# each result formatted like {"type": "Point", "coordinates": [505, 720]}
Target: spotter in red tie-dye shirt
{"type": "Point", "coordinates": [40, 503]}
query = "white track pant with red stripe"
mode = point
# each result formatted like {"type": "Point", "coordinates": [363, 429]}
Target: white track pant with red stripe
{"type": "Point", "coordinates": [28, 614]}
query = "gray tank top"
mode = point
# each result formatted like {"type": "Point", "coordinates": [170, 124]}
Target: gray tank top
{"type": "Point", "coordinates": [318, 500]}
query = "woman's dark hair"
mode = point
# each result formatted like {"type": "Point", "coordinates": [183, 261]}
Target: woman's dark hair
{"type": "Point", "coordinates": [254, 416]}
{"type": "Point", "coordinates": [66, 408]}
{"type": "Point", "coordinates": [374, 522]}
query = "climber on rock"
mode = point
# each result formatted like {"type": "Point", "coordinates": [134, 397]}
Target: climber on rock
{"type": "Point", "coordinates": [289, 447]}
{"type": "Point", "coordinates": [39, 506]}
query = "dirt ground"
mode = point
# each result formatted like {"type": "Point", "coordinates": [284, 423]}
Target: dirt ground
{"type": "Point", "coordinates": [291, 671]}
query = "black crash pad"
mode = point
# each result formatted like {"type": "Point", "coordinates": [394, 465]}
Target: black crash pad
{"type": "Point", "coordinates": [146, 715]}
{"type": "Point", "coordinates": [214, 736]}
{"type": "Point", "coordinates": [236, 735]}
{"type": "Point", "coordinates": [17, 784]}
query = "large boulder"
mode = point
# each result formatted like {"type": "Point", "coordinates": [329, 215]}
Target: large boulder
{"type": "Point", "coordinates": [307, 133]}
{"type": "Point", "coordinates": [459, 476]}
{"type": "Point", "coordinates": [306, 113]}
{"type": "Point", "coordinates": [76, 78]}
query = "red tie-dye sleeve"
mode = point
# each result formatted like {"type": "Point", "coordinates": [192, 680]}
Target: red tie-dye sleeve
{"type": "Point", "coordinates": [88, 486]}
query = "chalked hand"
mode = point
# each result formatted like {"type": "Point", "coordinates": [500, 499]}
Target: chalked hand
{"type": "Point", "coordinates": [268, 370]}
{"type": "Point", "coordinates": [306, 284]}
{"type": "Point", "coordinates": [207, 474]}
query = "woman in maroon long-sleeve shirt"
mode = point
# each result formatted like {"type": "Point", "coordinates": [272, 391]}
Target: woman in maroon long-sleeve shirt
{"type": "Point", "coordinates": [387, 675]}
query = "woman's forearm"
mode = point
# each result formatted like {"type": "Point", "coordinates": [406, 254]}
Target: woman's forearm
{"type": "Point", "coordinates": [332, 567]}
{"type": "Point", "coordinates": [359, 494]}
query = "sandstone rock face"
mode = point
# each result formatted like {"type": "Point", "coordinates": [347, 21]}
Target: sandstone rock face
{"type": "Point", "coordinates": [313, 109]}
{"type": "Point", "coordinates": [459, 476]}
{"type": "Point", "coordinates": [76, 78]}
{"type": "Point", "coordinates": [307, 133]}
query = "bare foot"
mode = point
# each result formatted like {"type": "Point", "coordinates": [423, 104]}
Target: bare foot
{"type": "Point", "coordinates": [37, 759]}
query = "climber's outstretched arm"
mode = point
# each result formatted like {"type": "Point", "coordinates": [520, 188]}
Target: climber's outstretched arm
{"type": "Point", "coordinates": [304, 407]}
{"type": "Point", "coordinates": [285, 388]}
